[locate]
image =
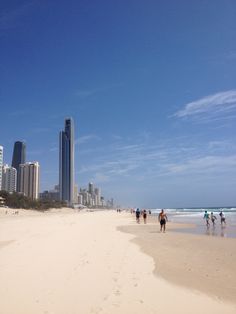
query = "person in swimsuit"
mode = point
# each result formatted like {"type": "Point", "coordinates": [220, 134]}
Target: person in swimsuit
{"type": "Point", "coordinates": [145, 216]}
{"type": "Point", "coordinates": [162, 219]}
{"type": "Point", "coordinates": [207, 218]}
{"type": "Point", "coordinates": [137, 215]}
{"type": "Point", "coordinates": [222, 218]}
{"type": "Point", "coordinates": [213, 219]}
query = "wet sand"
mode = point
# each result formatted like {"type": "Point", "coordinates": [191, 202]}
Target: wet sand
{"type": "Point", "coordinates": [200, 262]}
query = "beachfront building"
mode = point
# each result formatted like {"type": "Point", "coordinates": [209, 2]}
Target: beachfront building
{"type": "Point", "coordinates": [66, 162]}
{"type": "Point", "coordinates": [76, 194]}
{"type": "Point", "coordinates": [80, 199]}
{"type": "Point", "coordinates": [97, 193]}
{"type": "Point", "coordinates": [18, 158]}
{"type": "Point", "coordinates": [9, 178]}
{"type": "Point", "coordinates": [1, 164]}
{"type": "Point", "coordinates": [29, 179]}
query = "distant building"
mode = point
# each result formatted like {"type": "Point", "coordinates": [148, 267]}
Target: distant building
{"type": "Point", "coordinates": [52, 195]}
{"type": "Point", "coordinates": [80, 199]}
{"type": "Point", "coordinates": [1, 164]}
{"type": "Point", "coordinates": [90, 188]}
{"type": "Point", "coordinates": [97, 193]}
{"type": "Point", "coordinates": [66, 162]}
{"type": "Point", "coordinates": [9, 178]}
{"type": "Point", "coordinates": [91, 197]}
{"type": "Point", "coordinates": [110, 203]}
{"type": "Point", "coordinates": [29, 179]}
{"type": "Point", "coordinates": [18, 158]}
{"type": "Point", "coordinates": [75, 194]}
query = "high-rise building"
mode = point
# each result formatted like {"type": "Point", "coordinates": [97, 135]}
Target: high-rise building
{"type": "Point", "coordinates": [91, 188]}
{"type": "Point", "coordinates": [29, 179]}
{"type": "Point", "coordinates": [80, 199]}
{"type": "Point", "coordinates": [76, 192]}
{"type": "Point", "coordinates": [9, 178]}
{"type": "Point", "coordinates": [1, 164]}
{"type": "Point", "coordinates": [18, 158]}
{"type": "Point", "coordinates": [66, 162]}
{"type": "Point", "coordinates": [97, 192]}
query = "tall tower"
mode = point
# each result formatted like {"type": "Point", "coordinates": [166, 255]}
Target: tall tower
{"type": "Point", "coordinates": [1, 164]}
{"type": "Point", "coordinates": [66, 162]}
{"type": "Point", "coordinates": [17, 159]}
{"type": "Point", "coordinates": [91, 188]}
{"type": "Point", "coordinates": [29, 179]}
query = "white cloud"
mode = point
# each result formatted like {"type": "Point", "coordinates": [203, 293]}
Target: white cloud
{"type": "Point", "coordinates": [167, 158]}
{"type": "Point", "coordinates": [203, 165]}
{"type": "Point", "coordinates": [86, 138]}
{"type": "Point", "coordinates": [100, 178]}
{"type": "Point", "coordinates": [216, 105]}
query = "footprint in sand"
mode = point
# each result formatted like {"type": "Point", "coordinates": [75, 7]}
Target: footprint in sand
{"type": "Point", "coordinates": [117, 293]}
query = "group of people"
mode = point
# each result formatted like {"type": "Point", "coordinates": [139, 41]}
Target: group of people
{"type": "Point", "coordinates": [211, 217]}
{"type": "Point", "coordinates": [162, 218]}
{"type": "Point", "coordinates": [142, 213]}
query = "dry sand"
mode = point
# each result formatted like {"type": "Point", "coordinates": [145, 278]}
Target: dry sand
{"type": "Point", "coordinates": [70, 262]}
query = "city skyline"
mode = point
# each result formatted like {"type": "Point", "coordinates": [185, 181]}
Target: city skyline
{"type": "Point", "coordinates": [153, 97]}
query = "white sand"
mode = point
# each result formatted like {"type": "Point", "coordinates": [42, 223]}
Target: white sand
{"type": "Point", "coordinates": [79, 263]}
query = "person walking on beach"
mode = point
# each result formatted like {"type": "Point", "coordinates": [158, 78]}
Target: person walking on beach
{"type": "Point", "coordinates": [145, 216]}
{"type": "Point", "coordinates": [207, 218]}
{"type": "Point", "coordinates": [213, 219]}
{"type": "Point", "coordinates": [222, 218]}
{"type": "Point", "coordinates": [162, 217]}
{"type": "Point", "coordinates": [137, 215]}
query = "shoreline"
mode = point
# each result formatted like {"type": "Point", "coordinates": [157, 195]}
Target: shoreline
{"type": "Point", "coordinates": [199, 262]}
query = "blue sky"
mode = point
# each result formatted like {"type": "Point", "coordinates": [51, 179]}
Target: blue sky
{"type": "Point", "coordinates": [151, 87]}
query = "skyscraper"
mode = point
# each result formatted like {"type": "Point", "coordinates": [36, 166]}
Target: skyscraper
{"type": "Point", "coordinates": [1, 163]}
{"type": "Point", "coordinates": [9, 177]}
{"type": "Point", "coordinates": [29, 179]}
{"type": "Point", "coordinates": [66, 162]}
{"type": "Point", "coordinates": [17, 159]}
{"type": "Point", "coordinates": [90, 188]}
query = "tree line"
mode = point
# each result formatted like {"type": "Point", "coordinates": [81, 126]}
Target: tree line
{"type": "Point", "coordinates": [17, 200]}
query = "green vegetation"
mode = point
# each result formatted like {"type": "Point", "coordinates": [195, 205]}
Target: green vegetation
{"type": "Point", "coordinates": [16, 200]}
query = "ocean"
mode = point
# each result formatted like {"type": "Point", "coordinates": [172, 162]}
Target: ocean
{"type": "Point", "coordinates": [195, 216]}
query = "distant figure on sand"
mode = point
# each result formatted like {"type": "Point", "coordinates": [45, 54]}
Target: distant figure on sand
{"type": "Point", "coordinates": [207, 218]}
{"type": "Point", "coordinates": [222, 218]}
{"type": "Point", "coordinates": [145, 216]}
{"type": "Point", "coordinates": [213, 219]}
{"type": "Point", "coordinates": [162, 217]}
{"type": "Point", "coordinates": [137, 215]}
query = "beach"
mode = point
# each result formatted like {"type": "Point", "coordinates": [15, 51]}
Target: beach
{"type": "Point", "coordinates": [64, 261]}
